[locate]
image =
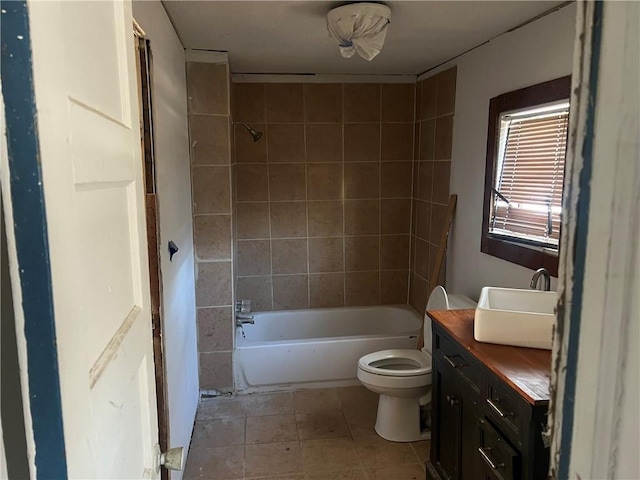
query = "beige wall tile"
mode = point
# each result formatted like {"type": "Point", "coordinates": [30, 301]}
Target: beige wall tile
{"type": "Point", "coordinates": [215, 329]}
{"type": "Point", "coordinates": [444, 138]}
{"type": "Point", "coordinates": [427, 139]}
{"type": "Point", "coordinates": [284, 102]}
{"type": "Point", "coordinates": [394, 252]}
{"type": "Point", "coordinates": [393, 287]}
{"type": "Point", "coordinates": [288, 219]}
{"type": "Point", "coordinates": [324, 142]}
{"type": "Point", "coordinates": [256, 289]}
{"type": "Point", "coordinates": [286, 143]}
{"type": "Point", "coordinates": [396, 179]}
{"type": "Point", "coordinates": [246, 150]}
{"type": "Point", "coordinates": [252, 183]}
{"type": "Point", "coordinates": [418, 291]}
{"type": "Point", "coordinates": [212, 237]}
{"type": "Point", "coordinates": [290, 292]}
{"type": "Point", "coordinates": [362, 142]}
{"type": "Point", "coordinates": [421, 266]}
{"type": "Point", "coordinates": [362, 253]}
{"type": "Point", "coordinates": [362, 288]}
{"type": "Point", "coordinates": [209, 137]}
{"type": "Point", "coordinates": [441, 179]}
{"type": "Point", "coordinates": [213, 284]}
{"type": "Point", "coordinates": [326, 290]}
{"type": "Point", "coordinates": [395, 215]}
{"type": "Point", "coordinates": [289, 256]}
{"type": "Point", "coordinates": [323, 102]}
{"type": "Point", "coordinates": [249, 103]}
{"type": "Point", "coordinates": [397, 141]}
{"type": "Point", "coordinates": [253, 257]}
{"type": "Point", "coordinates": [207, 88]}
{"type": "Point", "coordinates": [216, 370]}
{"type": "Point", "coordinates": [362, 180]}
{"type": "Point", "coordinates": [326, 255]}
{"type": "Point", "coordinates": [361, 102]}
{"type": "Point", "coordinates": [398, 102]}
{"type": "Point", "coordinates": [438, 221]}
{"type": "Point", "coordinates": [425, 181]}
{"type": "Point", "coordinates": [423, 220]}
{"type": "Point", "coordinates": [211, 192]}
{"type": "Point", "coordinates": [287, 181]}
{"type": "Point", "coordinates": [428, 98]}
{"type": "Point", "coordinates": [325, 218]}
{"type": "Point", "coordinates": [252, 220]}
{"type": "Point", "coordinates": [362, 217]}
{"type": "Point", "coordinates": [324, 181]}
{"type": "Point", "coordinates": [446, 101]}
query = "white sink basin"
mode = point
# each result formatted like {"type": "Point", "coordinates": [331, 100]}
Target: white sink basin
{"type": "Point", "coordinates": [512, 316]}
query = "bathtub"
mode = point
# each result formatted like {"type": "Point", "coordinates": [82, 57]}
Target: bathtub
{"type": "Point", "coordinates": [315, 348]}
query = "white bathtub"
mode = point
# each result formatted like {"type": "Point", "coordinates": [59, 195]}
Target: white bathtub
{"type": "Point", "coordinates": [293, 349]}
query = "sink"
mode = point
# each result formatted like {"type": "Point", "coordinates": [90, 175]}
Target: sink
{"type": "Point", "coordinates": [518, 317]}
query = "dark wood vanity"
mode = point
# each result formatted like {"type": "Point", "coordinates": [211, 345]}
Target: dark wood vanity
{"type": "Point", "coordinates": [489, 405]}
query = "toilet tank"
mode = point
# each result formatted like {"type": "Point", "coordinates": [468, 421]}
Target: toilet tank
{"type": "Point", "coordinates": [441, 300]}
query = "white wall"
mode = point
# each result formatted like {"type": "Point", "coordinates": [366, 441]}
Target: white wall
{"type": "Point", "coordinates": [540, 51]}
{"type": "Point", "coordinates": [169, 92]}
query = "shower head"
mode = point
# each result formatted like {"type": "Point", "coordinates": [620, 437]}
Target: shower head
{"type": "Point", "coordinates": [255, 134]}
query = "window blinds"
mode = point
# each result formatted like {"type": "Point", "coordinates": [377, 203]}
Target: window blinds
{"type": "Point", "coordinates": [528, 189]}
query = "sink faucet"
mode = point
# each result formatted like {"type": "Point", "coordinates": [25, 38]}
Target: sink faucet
{"type": "Point", "coordinates": [541, 272]}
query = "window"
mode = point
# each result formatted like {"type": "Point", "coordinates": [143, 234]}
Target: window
{"type": "Point", "coordinates": [526, 150]}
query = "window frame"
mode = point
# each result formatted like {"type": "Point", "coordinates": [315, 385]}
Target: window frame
{"type": "Point", "coordinates": [529, 256]}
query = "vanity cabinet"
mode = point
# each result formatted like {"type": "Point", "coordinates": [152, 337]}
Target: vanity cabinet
{"type": "Point", "coordinates": [489, 405]}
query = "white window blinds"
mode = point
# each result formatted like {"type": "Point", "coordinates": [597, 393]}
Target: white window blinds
{"type": "Point", "coordinates": [527, 200]}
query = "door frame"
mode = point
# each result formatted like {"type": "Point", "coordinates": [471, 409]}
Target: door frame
{"type": "Point", "coordinates": [144, 62]}
{"type": "Point", "coordinates": [28, 247]}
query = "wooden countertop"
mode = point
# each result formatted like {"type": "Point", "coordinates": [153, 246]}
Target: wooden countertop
{"type": "Point", "coordinates": [527, 370]}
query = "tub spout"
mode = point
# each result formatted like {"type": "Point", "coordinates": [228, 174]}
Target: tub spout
{"type": "Point", "coordinates": [242, 319]}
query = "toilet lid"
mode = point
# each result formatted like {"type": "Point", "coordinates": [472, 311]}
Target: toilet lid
{"type": "Point", "coordinates": [396, 363]}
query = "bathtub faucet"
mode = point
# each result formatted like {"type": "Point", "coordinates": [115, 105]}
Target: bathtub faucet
{"type": "Point", "coordinates": [241, 319]}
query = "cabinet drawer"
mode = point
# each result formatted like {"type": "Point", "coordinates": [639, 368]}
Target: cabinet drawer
{"type": "Point", "coordinates": [506, 409]}
{"type": "Point", "coordinates": [455, 356]}
{"type": "Point", "coordinates": [500, 458]}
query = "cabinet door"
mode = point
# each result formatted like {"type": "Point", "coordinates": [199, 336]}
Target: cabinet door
{"type": "Point", "coordinates": [470, 462]}
{"type": "Point", "coordinates": [447, 414]}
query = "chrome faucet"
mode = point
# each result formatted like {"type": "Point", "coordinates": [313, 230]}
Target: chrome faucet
{"type": "Point", "coordinates": [243, 314]}
{"type": "Point", "coordinates": [541, 272]}
{"type": "Point", "coordinates": [242, 318]}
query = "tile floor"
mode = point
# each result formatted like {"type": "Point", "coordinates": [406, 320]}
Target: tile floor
{"type": "Point", "coordinates": [324, 434]}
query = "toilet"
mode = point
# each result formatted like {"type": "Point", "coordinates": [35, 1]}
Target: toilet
{"type": "Point", "coordinates": [402, 378]}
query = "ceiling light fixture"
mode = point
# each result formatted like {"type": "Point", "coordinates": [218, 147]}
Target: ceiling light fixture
{"type": "Point", "coordinates": [359, 28]}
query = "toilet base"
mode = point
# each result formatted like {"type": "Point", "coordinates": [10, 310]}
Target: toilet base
{"type": "Point", "coordinates": [398, 419]}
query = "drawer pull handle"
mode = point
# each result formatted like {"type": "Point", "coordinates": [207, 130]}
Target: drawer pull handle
{"type": "Point", "coordinates": [451, 362]}
{"type": "Point", "coordinates": [487, 459]}
{"type": "Point", "coordinates": [497, 409]}
{"type": "Point", "coordinates": [452, 400]}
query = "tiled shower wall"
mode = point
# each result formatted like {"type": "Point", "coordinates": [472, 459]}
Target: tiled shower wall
{"type": "Point", "coordinates": [323, 199]}
{"type": "Point", "coordinates": [435, 107]}
{"type": "Point", "coordinates": [209, 132]}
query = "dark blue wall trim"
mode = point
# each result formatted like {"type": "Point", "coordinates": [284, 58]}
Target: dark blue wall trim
{"type": "Point", "coordinates": [582, 228]}
{"type": "Point", "coordinates": [30, 229]}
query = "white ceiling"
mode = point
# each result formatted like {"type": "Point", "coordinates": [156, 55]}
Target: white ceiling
{"type": "Point", "coordinates": [291, 36]}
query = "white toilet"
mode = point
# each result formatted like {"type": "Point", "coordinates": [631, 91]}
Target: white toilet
{"type": "Point", "coordinates": [403, 378]}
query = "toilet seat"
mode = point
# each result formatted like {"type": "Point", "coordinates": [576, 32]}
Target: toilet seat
{"type": "Point", "coordinates": [396, 363]}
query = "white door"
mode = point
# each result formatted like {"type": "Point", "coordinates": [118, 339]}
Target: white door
{"type": "Point", "coordinates": [88, 123]}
